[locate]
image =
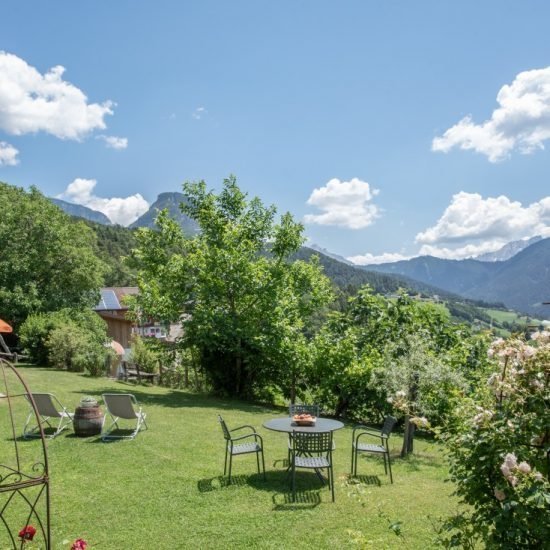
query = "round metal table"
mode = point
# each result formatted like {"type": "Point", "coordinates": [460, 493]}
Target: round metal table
{"type": "Point", "coordinates": [285, 424]}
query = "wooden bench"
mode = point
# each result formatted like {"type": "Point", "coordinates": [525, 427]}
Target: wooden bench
{"type": "Point", "coordinates": [133, 372]}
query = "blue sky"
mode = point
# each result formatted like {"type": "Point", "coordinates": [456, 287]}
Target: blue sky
{"type": "Point", "coordinates": [390, 129]}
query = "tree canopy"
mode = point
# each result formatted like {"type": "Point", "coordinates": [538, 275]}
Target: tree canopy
{"type": "Point", "coordinates": [242, 302]}
{"type": "Point", "coordinates": [47, 261]}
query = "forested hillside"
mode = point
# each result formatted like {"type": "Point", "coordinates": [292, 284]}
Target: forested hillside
{"type": "Point", "coordinates": [521, 282]}
{"type": "Point", "coordinates": [114, 243]}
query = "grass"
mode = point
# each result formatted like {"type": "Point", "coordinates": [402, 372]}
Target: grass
{"type": "Point", "coordinates": [502, 316]}
{"type": "Point", "coordinates": [165, 489]}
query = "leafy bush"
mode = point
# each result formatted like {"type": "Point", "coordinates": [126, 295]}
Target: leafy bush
{"type": "Point", "coordinates": [143, 356]}
{"type": "Point", "coordinates": [380, 346]}
{"type": "Point", "coordinates": [37, 328]}
{"type": "Point", "coordinates": [73, 348]}
{"type": "Point", "coordinates": [498, 457]}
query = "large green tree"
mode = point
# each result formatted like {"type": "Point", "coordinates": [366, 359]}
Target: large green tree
{"type": "Point", "coordinates": [47, 261]}
{"type": "Point", "coordinates": [242, 303]}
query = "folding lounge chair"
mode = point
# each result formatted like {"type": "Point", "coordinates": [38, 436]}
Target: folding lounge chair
{"type": "Point", "coordinates": [50, 410]}
{"type": "Point", "coordinates": [122, 406]}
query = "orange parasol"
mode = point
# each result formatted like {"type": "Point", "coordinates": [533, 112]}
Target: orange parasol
{"type": "Point", "coordinates": [4, 327]}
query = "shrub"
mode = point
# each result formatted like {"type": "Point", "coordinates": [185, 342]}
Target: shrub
{"type": "Point", "coordinates": [37, 328]}
{"type": "Point", "coordinates": [143, 356]}
{"type": "Point", "coordinates": [498, 454]}
{"type": "Point", "coordinates": [75, 349]}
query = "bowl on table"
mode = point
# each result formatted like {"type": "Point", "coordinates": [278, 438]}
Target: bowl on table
{"type": "Point", "coordinates": [304, 419]}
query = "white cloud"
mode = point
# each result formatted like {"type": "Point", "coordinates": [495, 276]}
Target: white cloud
{"type": "Point", "coordinates": [8, 154]}
{"type": "Point", "coordinates": [119, 210]}
{"type": "Point", "coordinates": [462, 252]}
{"type": "Point", "coordinates": [522, 120]}
{"type": "Point", "coordinates": [344, 203]}
{"type": "Point", "coordinates": [114, 142]}
{"type": "Point", "coordinates": [370, 259]}
{"type": "Point", "coordinates": [199, 112]}
{"type": "Point", "coordinates": [470, 216]}
{"type": "Point", "coordinates": [473, 225]}
{"type": "Point", "coordinates": [31, 102]}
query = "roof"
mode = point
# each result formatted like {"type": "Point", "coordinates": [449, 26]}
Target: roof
{"type": "Point", "coordinates": [112, 298]}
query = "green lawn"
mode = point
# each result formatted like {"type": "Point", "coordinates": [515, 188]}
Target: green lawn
{"type": "Point", "coordinates": [165, 489]}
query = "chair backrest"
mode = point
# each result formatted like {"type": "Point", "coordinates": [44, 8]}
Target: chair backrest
{"type": "Point", "coordinates": [389, 423]}
{"type": "Point", "coordinates": [120, 405]}
{"type": "Point", "coordinates": [45, 404]}
{"type": "Point", "coordinates": [301, 408]}
{"type": "Point", "coordinates": [225, 429]}
{"type": "Point", "coordinates": [305, 443]}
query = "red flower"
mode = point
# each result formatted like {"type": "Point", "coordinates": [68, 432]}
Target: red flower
{"type": "Point", "coordinates": [27, 533]}
{"type": "Point", "coordinates": [79, 544]}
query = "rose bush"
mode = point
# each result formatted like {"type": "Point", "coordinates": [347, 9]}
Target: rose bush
{"type": "Point", "coordinates": [498, 454]}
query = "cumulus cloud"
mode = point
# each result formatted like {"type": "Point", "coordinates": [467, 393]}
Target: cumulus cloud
{"type": "Point", "coordinates": [473, 225]}
{"type": "Point", "coordinates": [470, 216]}
{"type": "Point", "coordinates": [522, 121]}
{"type": "Point", "coordinates": [33, 102]}
{"type": "Point", "coordinates": [114, 142]}
{"type": "Point", "coordinates": [8, 154]}
{"type": "Point", "coordinates": [119, 210]}
{"type": "Point", "coordinates": [344, 204]}
{"type": "Point", "coordinates": [199, 112]}
{"type": "Point", "coordinates": [370, 259]}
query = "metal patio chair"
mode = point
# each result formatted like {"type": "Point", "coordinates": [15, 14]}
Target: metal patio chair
{"type": "Point", "coordinates": [382, 448]}
{"type": "Point", "coordinates": [232, 449]}
{"type": "Point", "coordinates": [122, 406]}
{"type": "Point", "coordinates": [312, 451]}
{"type": "Point", "coordinates": [51, 411]}
{"type": "Point", "coordinates": [300, 408]}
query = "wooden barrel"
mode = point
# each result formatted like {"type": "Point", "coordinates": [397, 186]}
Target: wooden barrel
{"type": "Point", "coordinates": [87, 421]}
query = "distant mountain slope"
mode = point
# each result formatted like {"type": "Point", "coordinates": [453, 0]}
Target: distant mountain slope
{"type": "Point", "coordinates": [326, 252]}
{"type": "Point", "coordinates": [457, 276]}
{"type": "Point", "coordinates": [507, 251]}
{"type": "Point", "coordinates": [170, 201]}
{"type": "Point", "coordinates": [82, 212]}
{"type": "Point", "coordinates": [521, 282]}
{"type": "Point", "coordinates": [345, 276]}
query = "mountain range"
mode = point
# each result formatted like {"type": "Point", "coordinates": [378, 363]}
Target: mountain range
{"type": "Point", "coordinates": [521, 282]}
{"type": "Point", "coordinates": [517, 275]}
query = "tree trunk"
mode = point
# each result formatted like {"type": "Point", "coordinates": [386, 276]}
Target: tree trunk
{"type": "Point", "coordinates": [408, 437]}
{"type": "Point", "coordinates": [293, 390]}
{"type": "Point", "coordinates": [238, 368]}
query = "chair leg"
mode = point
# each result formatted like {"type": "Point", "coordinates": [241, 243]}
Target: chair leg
{"type": "Point", "coordinates": [385, 465]}
{"type": "Point", "coordinates": [263, 463]}
{"type": "Point", "coordinates": [293, 481]}
{"type": "Point", "coordinates": [258, 461]}
{"type": "Point", "coordinates": [230, 465]}
{"type": "Point", "coordinates": [225, 462]}
{"type": "Point", "coordinates": [331, 480]}
{"type": "Point", "coordinates": [389, 467]}
{"type": "Point", "coordinates": [356, 459]}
